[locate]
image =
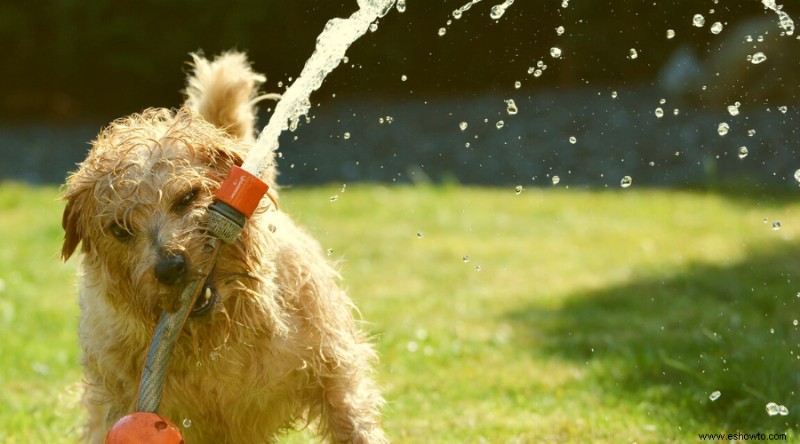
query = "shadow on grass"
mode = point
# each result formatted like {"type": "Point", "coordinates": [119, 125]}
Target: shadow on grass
{"type": "Point", "coordinates": [665, 343]}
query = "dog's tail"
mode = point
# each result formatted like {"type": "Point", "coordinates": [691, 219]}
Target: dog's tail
{"type": "Point", "coordinates": [224, 91]}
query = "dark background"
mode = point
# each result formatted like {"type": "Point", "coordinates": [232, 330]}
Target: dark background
{"type": "Point", "coordinates": [71, 66]}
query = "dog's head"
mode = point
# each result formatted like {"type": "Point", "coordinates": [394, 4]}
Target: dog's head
{"type": "Point", "coordinates": [137, 206]}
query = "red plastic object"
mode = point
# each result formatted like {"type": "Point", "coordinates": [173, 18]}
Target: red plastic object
{"type": "Point", "coordinates": [144, 427]}
{"type": "Point", "coordinates": [242, 190]}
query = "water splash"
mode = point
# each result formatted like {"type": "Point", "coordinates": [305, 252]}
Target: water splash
{"type": "Point", "coordinates": [784, 21]}
{"type": "Point", "coordinates": [332, 43]}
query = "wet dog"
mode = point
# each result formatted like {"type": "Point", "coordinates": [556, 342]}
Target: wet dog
{"type": "Point", "coordinates": [272, 344]}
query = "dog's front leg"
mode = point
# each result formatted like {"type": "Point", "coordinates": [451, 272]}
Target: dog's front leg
{"type": "Point", "coordinates": [352, 403]}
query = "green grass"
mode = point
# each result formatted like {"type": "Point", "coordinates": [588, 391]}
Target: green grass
{"type": "Point", "coordinates": [579, 316]}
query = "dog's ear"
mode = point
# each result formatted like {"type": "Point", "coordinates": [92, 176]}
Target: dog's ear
{"type": "Point", "coordinates": [72, 221]}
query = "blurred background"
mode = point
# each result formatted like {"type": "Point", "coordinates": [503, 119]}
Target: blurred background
{"type": "Point", "coordinates": [392, 112]}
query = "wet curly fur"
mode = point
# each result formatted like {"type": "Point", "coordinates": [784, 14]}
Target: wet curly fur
{"type": "Point", "coordinates": [279, 348]}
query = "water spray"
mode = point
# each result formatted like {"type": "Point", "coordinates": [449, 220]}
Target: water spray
{"type": "Point", "coordinates": [235, 201]}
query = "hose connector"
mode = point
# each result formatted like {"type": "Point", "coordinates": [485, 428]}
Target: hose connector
{"type": "Point", "coordinates": [235, 201]}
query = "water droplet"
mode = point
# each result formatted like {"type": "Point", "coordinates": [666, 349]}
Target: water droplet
{"type": "Point", "coordinates": [499, 124]}
{"type": "Point", "coordinates": [462, 126]}
{"type": "Point", "coordinates": [511, 107]}
{"type": "Point", "coordinates": [346, 135]}
{"type": "Point", "coordinates": [659, 112]}
{"type": "Point", "coordinates": [757, 58]}
{"type": "Point", "coordinates": [662, 101]}
{"type": "Point", "coordinates": [614, 94]}
{"type": "Point", "coordinates": [723, 128]}
{"type": "Point", "coordinates": [517, 84]}
{"type": "Point", "coordinates": [477, 268]}
{"type": "Point", "coordinates": [733, 110]}
{"type": "Point", "coordinates": [698, 20]}
{"type": "Point", "coordinates": [560, 30]}
{"type": "Point", "coordinates": [626, 182]}
{"type": "Point", "coordinates": [714, 395]}
{"type": "Point", "coordinates": [537, 73]}
{"type": "Point", "coordinates": [716, 28]}
{"type": "Point", "coordinates": [783, 109]}
{"type": "Point", "coordinates": [497, 11]}
{"type": "Point", "coordinates": [556, 180]}
{"type": "Point", "coordinates": [401, 5]}
{"type": "Point", "coordinates": [457, 14]}
{"type": "Point", "coordinates": [573, 140]}
{"type": "Point", "coordinates": [743, 152]}
{"type": "Point", "coordinates": [795, 322]}
{"type": "Point", "coordinates": [187, 423]}
{"type": "Point", "coordinates": [555, 52]}
{"type": "Point", "coordinates": [783, 411]}
{"type": "Point", "coordinates": [676, 111]}
{"type": "Point", "coordinates": [670, 33]}
{"type": "Point", "coordinates": [442, 31]}
{"type": "Point", "coordinates": [403, 77]}
{"type": "Point", "coordinates": [518, 189]}
{"type": "Point", "coordinates": [329, 251]}
{"type": "Point", "coordinates": [465, 259]}
{"type": "Point", "coordinates": [751, 133]}
{"type": "Point", "coordinates": [420, 234]}
{"type": "Point", "coordinates": [373, 27]}
{"type": "Point", "coordinates": [633, 54]}
{"type": "Point", "coordinates": [772, 409]}
{"type": "Point", "coordinates": [797, 175]}
{"type": "Point", "coordinates": [564, 3]}
{"type": "Point", "coordinates": [334, 198]}
{"type": "Point", "coordinates": [776, 225]}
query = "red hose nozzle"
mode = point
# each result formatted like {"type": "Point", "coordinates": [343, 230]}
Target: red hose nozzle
{"type": "Point", "coordinates": [235, 201]}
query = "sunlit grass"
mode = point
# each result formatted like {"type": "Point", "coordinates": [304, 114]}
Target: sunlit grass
{"type": "Point", "coordinates": [550, 316]}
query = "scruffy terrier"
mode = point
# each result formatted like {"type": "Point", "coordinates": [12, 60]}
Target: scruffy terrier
{"type": "Point", "coordinates": [274, 344]}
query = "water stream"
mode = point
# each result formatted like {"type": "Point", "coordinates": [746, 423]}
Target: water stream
{"type": "Point", "coordinates": [332, 43]}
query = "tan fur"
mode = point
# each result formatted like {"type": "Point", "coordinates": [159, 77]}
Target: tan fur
{"type": "Point", "coordinates": [280, 350]}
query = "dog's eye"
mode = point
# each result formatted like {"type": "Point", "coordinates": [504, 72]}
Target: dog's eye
{"type": "Point", "coordinates": [119, 232]}
{"type": "Point", "coordinates": [184, 202]}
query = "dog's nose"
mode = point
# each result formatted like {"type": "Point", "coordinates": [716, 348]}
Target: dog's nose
{"type": "Point", "coordinates": [171, 268]}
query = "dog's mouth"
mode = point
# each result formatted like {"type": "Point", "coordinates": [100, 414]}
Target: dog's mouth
{"type": "Point", "coordinates": [207, 298]}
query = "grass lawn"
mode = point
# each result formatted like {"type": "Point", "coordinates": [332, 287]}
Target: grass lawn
{"type": "Point", "coordinates": [550, 316]}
